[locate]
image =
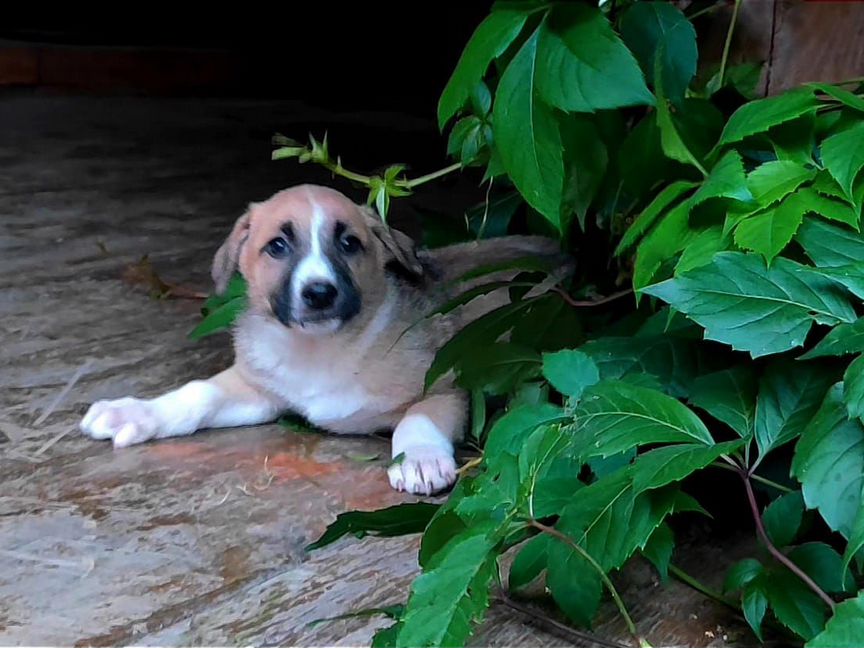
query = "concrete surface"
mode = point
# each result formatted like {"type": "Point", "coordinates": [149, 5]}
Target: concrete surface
{"type": "Point", "coordinates": [197, 540]}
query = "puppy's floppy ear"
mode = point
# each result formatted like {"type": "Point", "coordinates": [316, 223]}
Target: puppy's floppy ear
{"type": "Point", "coordinates": [399, 246]}
{"type": "Point", "coordinates": [227, 257]}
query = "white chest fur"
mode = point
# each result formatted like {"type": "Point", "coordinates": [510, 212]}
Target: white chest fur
{"type": "Point", "coordinates": [339, 384]}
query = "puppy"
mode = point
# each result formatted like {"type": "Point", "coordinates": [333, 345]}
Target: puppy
{"type": "Point", "coordinates": [335, 331]}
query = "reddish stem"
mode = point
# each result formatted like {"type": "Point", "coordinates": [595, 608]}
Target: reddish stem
{"type": "Point", "coordinates": [775, 552]}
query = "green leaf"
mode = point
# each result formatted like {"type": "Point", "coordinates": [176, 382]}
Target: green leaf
{"type": "Point", "coordinates": [809, 200]}
{"type": "Point", "coordinates": [843, 96]}
{"type": "Point", "coordinates": [770, 231]}
{"type": "Point", "coordinates": [741, 574]}
{"type": "Point", "coordinates": [760, 115]}
{"type": "Point", "coordinates": [829, 246]}
{"type": "Point", "coordinates": [529, 562]}
{"type": "Point", "coordinates": [662, 39]}
{"type": "Point", "coordinates": [702, 247]}
{"type": "Point", "coordinates": [829, 463]}
{"type": "Point", "coordinates": [726, 180]}
{"type": "Point", "coordinates": [675, 362]}
{"type": "Point", "coordinates": [527, 135]}
{"type": "Point", "coordinates": [615, 416]}
{"type": "Point", "coordinates": [773, 181]}
{"type": "Point", "coordinates": [663, 466]}
{"type": "Point", "coordinates": [728, 396]}
{"type": "Point", "coordinates": [485, 330]}
{"type": "Point", "coordinates": [386, 637]}
{"type": "Point", "coordinates": [509, 431]}
{"type": "Point", "coordinates": [398, 520]}
{"type": "Point", "coordinates": [659, 550]}
{"type": "Point", "coordinates": [570, 372]}
{"type": "Point", "coordinates": [662, 243]}
{"type": "Point", "coordinates": [444, 526]}
{"type": "Point", "coordinates": [585, 162]}
{"type": "Point", "coordinates": [783, 517]}
{"type": "Point", "coordinates": [841, 340]}
{"type": "Point", "coordinates": [609, 523]}
{"type": "Point", "coordinates": [754, 603]}
{"type": "Point", "coordinates": [497, 368]}
{"type": "Point", "coordinates": [853, 388]}
{"type": "Point", "coordinates": [843, 156]}
{"type": "Point", "coordinates": [849, 276]}
{"type": "Point", "coordinates": [640, 160]}
{"type": "Point", "coordinates": [575, 586]}
{"type": "Point", "coordinates": [452, 594]}
{"type": "Point", "coordinates": [488, 42]}
{"type": "Point", "coordinates": [221, 311]}
{"type": "Point", "coordinates": [659, 206]}
{"type": "Point", "coordinates": [845, 628]}
{"type": "Point", "coordinates": [790, 394]}
{"type": "Point", "coordinates": [792, 602]}
{"type": "Point", "coordinates": [672, 135]}
{"type": "Point", "coordinates": [584, 67]}
{"type": "Point", "coordinates": [824, 565]}
{"type": "Point", "coordinates": [761, 310]}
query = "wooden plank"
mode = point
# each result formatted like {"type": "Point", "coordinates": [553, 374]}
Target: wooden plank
{"type": "Point", "coordinates": [816, 41]}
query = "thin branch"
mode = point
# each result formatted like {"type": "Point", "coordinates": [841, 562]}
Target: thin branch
{"type": "Point", "coordinates": [724, 59]}
{"type": "Point", "coordinates": [775, 552]}
{"type": "Point", "coordinates": [542, 619]}
{"type": "Point", "coordinates": [691, 582]}
{"type": "Point", "coordinates": [416, 182]}
{"type": "Point", "coordinates": [576, 303]}
{"type": "Point", "coordinates": [555, 533]}
{"type": "Point", "coordinates": [757, 478]}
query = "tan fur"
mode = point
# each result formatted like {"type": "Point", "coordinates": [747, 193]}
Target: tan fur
{"type": "Point", "coordinates": [365, 376]}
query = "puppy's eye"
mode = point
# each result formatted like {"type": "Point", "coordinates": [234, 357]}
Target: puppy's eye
{"type": "Point", "coordinates": [277, 248]}
{"type": "Point", "coordinates": [350, 244]}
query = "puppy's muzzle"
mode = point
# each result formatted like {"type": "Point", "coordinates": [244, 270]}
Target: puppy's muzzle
{"type": "Point", "coordinates": [319, 295]}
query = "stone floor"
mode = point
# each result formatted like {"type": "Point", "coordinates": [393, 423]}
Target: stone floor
{"type": "Point", "coordinates": [198, 540]}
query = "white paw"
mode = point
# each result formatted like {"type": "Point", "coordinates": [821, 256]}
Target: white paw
{"type": "Point", "coordinates": [126, 421]}
{"type": "Point", "coordinates": [424, 470]}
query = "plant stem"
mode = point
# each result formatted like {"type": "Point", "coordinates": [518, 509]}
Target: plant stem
{"type": "Point", "coordinates": [725, 57]}
{"type": "Point", "coordinates": [758, 478]}
{"type": "Point", "coordinates": [706, 10]}
{"type": "Point", "coordinates": [471, 463]}
{"type": "Point", "coordinates": [555, 533]}
{"type": "Point", "coordinates": [576, 303]}
{"type": "Point", "coordinates": [688, 580]}
{"type": "Point", "coordinates": [571, 633]}
{"type": "Point", "coordinates": [416, 182]}
{"type": "Point", "coordinates": [775, 552]}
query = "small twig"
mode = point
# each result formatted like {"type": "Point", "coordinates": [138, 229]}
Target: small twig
{"type": "Point", "coordinates": [63, 393]}
{"type": "Point", "coordinates": [691, 582]}
{"type": "Point", "coordinates": [555, 533]}
{"type": "Point", "coordinates": [706, 10]}
{"type": "Point", "coordinates": [775, 552]}
{"type": "Point", "coordinates": [416, 182]}
{"type": "Point", "coordinates": [576, 303]}
{"type": "Point", "coordinates": [725, 57]}
{"type": "Point", "coordinates": [757, 478]}
{"type": "Point", "coordinates": [50, 442]}
{"type": "Point", "coordinates": [543, 619]}
{"type": "Point", "coordinates": [472, 463]}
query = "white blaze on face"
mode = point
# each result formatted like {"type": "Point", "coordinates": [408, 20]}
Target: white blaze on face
{"type": "Point", "coordinates": [314, 266]}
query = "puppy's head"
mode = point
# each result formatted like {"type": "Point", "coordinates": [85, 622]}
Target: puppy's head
{"type": "Point", "coordinates": [313, 259]}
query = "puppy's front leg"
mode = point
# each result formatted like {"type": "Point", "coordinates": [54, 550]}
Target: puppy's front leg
{"type": "Point", "coordinates": [425, 435]}
{"type": "Point", "coordinates": [225, 400]}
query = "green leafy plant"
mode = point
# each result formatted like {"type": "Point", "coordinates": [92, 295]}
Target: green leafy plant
{"type": "Point", "coordinates": [713, 324]}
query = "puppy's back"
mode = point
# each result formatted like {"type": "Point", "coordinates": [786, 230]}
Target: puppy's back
{"type": "Point", "coordinates": [455, 261]}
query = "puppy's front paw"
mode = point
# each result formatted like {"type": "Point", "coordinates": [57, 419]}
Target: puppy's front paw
{"type": "Point", "coordinates": [126, 421]}
{"type": "Point", "coordinates": [424, 470]}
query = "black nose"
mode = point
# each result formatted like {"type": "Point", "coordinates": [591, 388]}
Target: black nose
{"type": "Point", "coordinates": [319, 295]}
